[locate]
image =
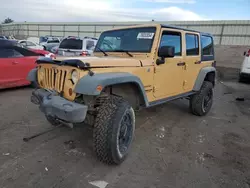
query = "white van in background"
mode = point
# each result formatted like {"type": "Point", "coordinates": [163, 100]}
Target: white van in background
{"type": "Point", "coordinates": [245, 67]}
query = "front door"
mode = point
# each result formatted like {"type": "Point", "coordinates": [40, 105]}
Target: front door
{"type": "Point", "coordinates": [168, 77]}
{"type": "Point", "coordinates": [23, 67]}
{"type": "Point", "coordinates": [8, 75]}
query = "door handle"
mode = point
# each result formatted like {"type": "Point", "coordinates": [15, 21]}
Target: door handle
{"type": "Point", "coordinates": [14, 62]}
{"type": "Point", "coordinates": [197, 62]}
{"type": "Point", "coordinates": [181, 64]}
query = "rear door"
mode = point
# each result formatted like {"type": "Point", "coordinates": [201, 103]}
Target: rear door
{"type": "Point", "coordinates": [192, 56]}
{"type": "Point", "coordinates": [199, 53]}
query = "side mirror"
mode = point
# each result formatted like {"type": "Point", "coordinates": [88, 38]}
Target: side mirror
{"type": "Point", "coordinates": [166, 51]}
{"type": "Point", "coordinates": [244, 53]}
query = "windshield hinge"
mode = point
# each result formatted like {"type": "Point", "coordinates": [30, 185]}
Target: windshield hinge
{"type": "Point", "coordinates": [141, 63]}
{"type": "Point", "coordinates": [153, 89]}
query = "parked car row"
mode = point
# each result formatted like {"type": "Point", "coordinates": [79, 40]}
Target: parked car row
{"type": "Point", "coordinates": [18, 57]}
{"type": "Point", "coordinates": [67, 46]}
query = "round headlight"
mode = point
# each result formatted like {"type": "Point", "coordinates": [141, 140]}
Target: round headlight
{"type": "Point", "coordinates": [74, 76]}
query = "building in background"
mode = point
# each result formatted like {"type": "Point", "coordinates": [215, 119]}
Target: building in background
{"type": "Point", "coordinates": [227, 32]}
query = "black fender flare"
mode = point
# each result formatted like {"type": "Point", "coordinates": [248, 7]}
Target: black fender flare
{"type": "Point", "coordinates": [201, 76]}
{"type": "Point", "coordinates": [87, 85]}
{"type": "Point", "coordinates": [32, 75]}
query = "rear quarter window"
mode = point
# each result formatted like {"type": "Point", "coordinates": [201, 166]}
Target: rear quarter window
{"type": "Point", "coordinates": [207, 45]}
{"type": "Point", "coordinates": [75, 44]}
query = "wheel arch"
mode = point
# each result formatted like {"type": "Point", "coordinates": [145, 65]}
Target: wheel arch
{"type": "Point", "coordinates": [125, 85]}
{"type": "Point", "coordinates": [131, 92]}
{"type": "Point", "coordinates": [205, 74]}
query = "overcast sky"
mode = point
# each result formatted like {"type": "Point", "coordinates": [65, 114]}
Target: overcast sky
{"type": "Point", "coordinates": [123, 10]}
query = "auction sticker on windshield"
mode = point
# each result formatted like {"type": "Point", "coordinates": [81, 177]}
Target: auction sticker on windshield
{"type": "Point", "coordinates": [145, 35]}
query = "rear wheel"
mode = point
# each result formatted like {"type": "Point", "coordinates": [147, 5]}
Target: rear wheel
{"type": "Point", "coordinates": [201, 102]}
{"type": "Point", "coordinates": [114, 130]}
{"type": "Point", "coordinates": [241, 78]}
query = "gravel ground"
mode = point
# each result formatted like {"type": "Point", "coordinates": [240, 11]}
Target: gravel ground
{"type": "Point", "coordinates": [172, 148]}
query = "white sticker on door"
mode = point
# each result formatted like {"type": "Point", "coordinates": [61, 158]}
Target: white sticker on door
{"type": "Point", "coordinates": [145, 35]}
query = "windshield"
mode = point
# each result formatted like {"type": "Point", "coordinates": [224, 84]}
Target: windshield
{"type": "Point", "coordinates": [75, 44]}
{"type": "Point", "coordinates": [130, 40]}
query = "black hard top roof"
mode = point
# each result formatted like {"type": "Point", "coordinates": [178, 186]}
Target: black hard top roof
{"type": "Point", "coordinates": [184, 29]}
{"type": "Point", "coordinates": [5, 43]}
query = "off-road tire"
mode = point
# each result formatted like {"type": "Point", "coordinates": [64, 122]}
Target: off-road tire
{"type": "Point", "coordinates": [197, 100]}
{"type": "Point", "coordinates": [107, 128]}
{"type": "Point", "coordinates": [242, 79]}
{"type": "Point", "coordinates": [53, 121]}
{"type": "Point", "coordinates": [34, 85]}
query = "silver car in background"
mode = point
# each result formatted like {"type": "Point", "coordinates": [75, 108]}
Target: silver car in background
{"type": "Point", "coordinates": [76, 46]}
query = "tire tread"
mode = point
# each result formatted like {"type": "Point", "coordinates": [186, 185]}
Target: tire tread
{"type": "Point", "coordinates": [103, 130]}
{"type": "Point", "coordinates": [197, 99]}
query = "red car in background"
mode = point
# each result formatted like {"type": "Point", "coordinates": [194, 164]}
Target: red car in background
{"type": "Point", "coordinates": [15, 63]}
{"type": "Point", "coordinates": [43, 53]}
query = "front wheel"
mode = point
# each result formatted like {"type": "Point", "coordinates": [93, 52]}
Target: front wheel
{"type": "Point", "coordinates": [53, 121]}
{"type": "Point", "coordinates": [114, 130]}
{"type": "Point", "coordinates": [201, 102]}
{"type": "Point", "coordinates": [242, 79]}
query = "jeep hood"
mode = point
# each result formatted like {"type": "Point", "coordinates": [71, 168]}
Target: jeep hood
{"type": "Point", "coordinates": [105, 61]}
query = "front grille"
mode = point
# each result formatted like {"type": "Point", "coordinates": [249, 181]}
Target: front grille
{"type": "Point", "coordinates": [54, 79]}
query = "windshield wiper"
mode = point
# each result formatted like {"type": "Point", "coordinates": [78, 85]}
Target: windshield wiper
{"type": "Point", "coordinates": [101, 51]}
{"type": "Point", "coordinates": [126, 51]}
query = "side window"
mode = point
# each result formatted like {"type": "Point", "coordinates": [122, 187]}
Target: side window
{"type": "Point", "coordinates": [172, 39]}
{"type": "Point", "coordinates": [90, 44]}
{"type": "Point", "coordinates": [207, 45]}
{"type": "Point", "coordinates": [30, 43]}
{"type": "Point", "coordinates": [53, 41]}
{"type": "Point", "coordinates": [192, 44]}
{"type": "Point", "coordinates": [17, 54]}
{"type": "Point", "coordinates": [24, 43]}
{"type": "Point", "coordinates": [6, 53]}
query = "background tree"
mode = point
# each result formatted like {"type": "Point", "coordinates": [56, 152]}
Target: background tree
{"type": "Point", "coordinates": [7, 20]}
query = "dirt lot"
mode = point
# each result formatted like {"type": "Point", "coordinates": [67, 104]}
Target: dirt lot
{"type": "Point", "coordinates": [172, 148]}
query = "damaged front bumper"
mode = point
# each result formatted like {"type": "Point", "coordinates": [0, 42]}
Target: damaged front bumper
{"type": "Point", "coordinates": [57, 107]}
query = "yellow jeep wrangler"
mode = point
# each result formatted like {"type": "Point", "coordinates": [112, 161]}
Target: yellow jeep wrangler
{"type": "Point", "coordinates": [132, 68]}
